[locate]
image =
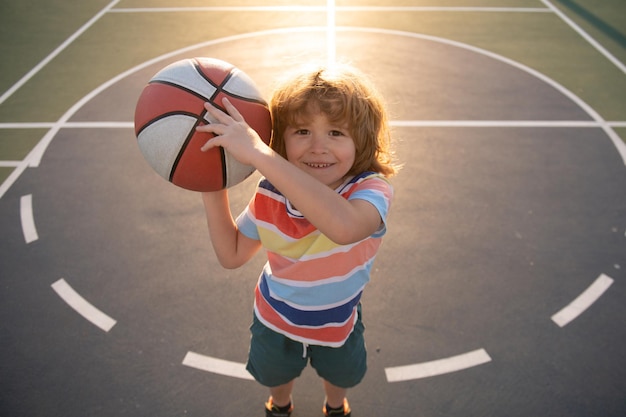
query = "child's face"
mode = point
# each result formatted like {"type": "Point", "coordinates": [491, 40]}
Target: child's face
{"type": "Point", "coordinates": [321, 148]}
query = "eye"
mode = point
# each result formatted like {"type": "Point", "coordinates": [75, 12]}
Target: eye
{"type": "Point", "coordinates": [336, 133]}
{"type": "Point", "coordinates": [301, 131]}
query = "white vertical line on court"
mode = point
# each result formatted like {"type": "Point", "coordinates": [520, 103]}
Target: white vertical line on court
{"type": "Point", "coordinates": [54, 53]}
{"type": "Point", "coordinates": [583, 301]}
{"type": "Point", "coordinates": [437, 367]}
{"type": "Point", "coordinates": [82, 306]}
{"type": "Point", "coordinates": [586, 36]}
{"type": "Point", "coordinates": [28, 221]}
{"type": "Point", "coordinates": [331, 36]}
{"type": "Point", "coordinates": [216, 366]}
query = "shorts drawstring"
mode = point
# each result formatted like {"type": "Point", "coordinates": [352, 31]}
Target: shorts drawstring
{"type": "Point", "coordinates": [304, 348]}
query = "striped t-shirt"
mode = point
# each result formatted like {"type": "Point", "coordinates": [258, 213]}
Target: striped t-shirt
{"type": "Point", "coordinates": [310, 286]}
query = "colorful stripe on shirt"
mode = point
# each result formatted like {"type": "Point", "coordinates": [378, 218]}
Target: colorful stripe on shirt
{"type": "Point", "coordinates": [310, 286]}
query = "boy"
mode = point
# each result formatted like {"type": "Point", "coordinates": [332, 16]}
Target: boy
{"type": "Point", "coordinates": [320, 213]}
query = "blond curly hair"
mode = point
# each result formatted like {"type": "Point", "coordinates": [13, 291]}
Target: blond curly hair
{"type": "Point", "coordinates": [345, 96]}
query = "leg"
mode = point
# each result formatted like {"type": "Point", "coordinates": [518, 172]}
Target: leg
{"type": "Point", "coordinates": [334, 394]}
{"type": "Point", "coordinates": [281, 394]}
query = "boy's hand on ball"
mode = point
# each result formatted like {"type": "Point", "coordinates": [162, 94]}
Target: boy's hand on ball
{"type": "Point", "coordinates": [232, 133]}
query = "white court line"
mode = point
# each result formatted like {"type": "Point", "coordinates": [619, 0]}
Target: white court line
{"type": "Point", "coordinates": [82, 306]}
{"type": "Point", "coordinates": [28, 221]}
{"type": "Point", "coordinates": [70, 125]}
{"type": "Point", "coordinates": [586, 36]}
{"type": "Point", "coordinates": [9, 164]}
{"type": "Point", "coordinates": [583, 301]}
{"type": "Point", "coordinates": [437, 367]}
{"type": "Point", "coordinates": [29, 125]}
{"type": "Point", "coordinates": [324, 8]}
{"type": "Point", "coordinates": [442, 9]}
{"type": "Point", "coordinates": [216, 366]}
{"type": "Point", "coordinates": [35, 156]}
{"type": "Point", "coordinates": [506, 123]}
{"type": "Point", "coordinates": [219, 9]}
{"type": "Point", "coordinates": [398, 123]}
{"type": "Point", "coordinates": [54, 53]}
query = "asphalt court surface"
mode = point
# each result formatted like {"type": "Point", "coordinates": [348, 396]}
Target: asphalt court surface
{"type": "Point", "coordinates": [510, 207]}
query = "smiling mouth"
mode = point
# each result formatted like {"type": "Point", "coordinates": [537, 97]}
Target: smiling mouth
{"type": "Point", "coordinates": [317, 165]}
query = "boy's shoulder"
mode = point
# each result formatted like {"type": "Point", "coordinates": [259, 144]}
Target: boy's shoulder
{"type": "Point", "coordinates": [364, 179]}
{"type": "Point", "coordinates": [366, 176]}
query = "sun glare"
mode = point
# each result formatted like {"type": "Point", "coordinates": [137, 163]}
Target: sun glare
{"type": "Point", "coordinates": [331, 44]}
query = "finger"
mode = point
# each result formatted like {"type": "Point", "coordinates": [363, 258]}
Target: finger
{"type": "Point", "coordinates": [217, 129]}
{"type": "Point", "coordinates": [211, 143]}
{"type": "Point", "coordinates": [217, 114]}
{"type": "Point", "coordinates": [232, 110]}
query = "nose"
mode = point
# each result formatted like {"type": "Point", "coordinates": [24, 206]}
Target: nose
{"type": "Point", "coordinates": [319, 143]}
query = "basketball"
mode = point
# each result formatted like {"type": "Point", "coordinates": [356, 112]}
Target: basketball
{"type": "Point", "coordinates": [170, 108]}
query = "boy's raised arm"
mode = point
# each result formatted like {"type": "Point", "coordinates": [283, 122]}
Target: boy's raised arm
{"type": "Point", "coordinates": [343, 221]}
{"type": "Point", "coordinates": [340, 220]}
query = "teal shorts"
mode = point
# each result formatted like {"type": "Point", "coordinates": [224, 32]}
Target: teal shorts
{"type": "Point", "coordinates": [274, 359]}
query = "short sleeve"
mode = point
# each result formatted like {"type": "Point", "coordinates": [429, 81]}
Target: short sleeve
{"type": "Point", "coordinates": [246, 223]}
{"type": "Point", "coordinates": [378, 192]}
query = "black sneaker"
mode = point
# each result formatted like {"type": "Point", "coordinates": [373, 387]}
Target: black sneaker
{"type": "Point", "coordinates": [272, 410]}
{"type": "Point", "coordinates": [343, 412]}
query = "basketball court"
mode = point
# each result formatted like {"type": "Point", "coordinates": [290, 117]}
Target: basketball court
{"type": "Point", "coordinates": [500, 287]}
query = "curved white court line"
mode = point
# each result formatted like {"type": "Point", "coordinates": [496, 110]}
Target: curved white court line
{"type": "Point", "coordinates": [617, 141]}
{"type": "Point", "coordinates": [33, 159]}
{"type": "Point", "coordinates": [82, 306]}
{"type": "Point", "coordinates": [583, 301]}
{"type": "Point", "coordinates": [36, 154]}
{"type": "Point", "coordinates": [217, 366]}
{"type": "Point", "coordinates": [437, 367]}
{"type": "Point", "coordinates": [27, 218]}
